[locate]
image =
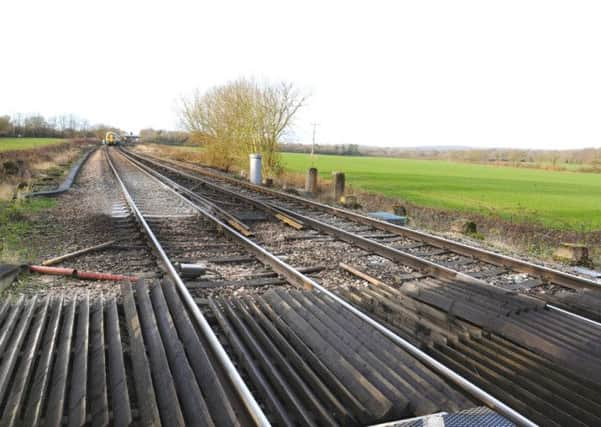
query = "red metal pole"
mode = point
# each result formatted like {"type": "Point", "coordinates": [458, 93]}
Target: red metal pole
{"type": "Point", "coordinates": [59, 271]}
{"type": "Point", "coordinates": [104, 276]}
{"type": "Point", "coordinates": [86, 275]}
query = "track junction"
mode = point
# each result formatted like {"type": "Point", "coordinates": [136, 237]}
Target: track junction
{"type": "Point", "coordinates": [305, 314]}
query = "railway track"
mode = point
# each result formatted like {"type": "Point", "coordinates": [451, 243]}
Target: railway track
{"type": "Point", "coordinates": [302, 365]}
{"type": "Point", "coordinates": [412, 247]}
{"type": "Point", "coordinates": [521, 321]}
{"type": "Point", "coordinates": [484, 323]}
{"type": "Point", "coordinates": [93, 212]}
{"type": "Point", "coordinates": [256, 341]}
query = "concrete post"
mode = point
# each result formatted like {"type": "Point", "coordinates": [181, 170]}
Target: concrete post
{"type": "Point", "coordinates": [311, 183]}
{"type": "Point", "coordinates": [338, 185]}
{"type": "Point", "coordinates": [255, 169]}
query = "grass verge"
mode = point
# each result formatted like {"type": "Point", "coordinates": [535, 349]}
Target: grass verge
{"type": "Point", "coordinates": [556, 200]}
{"type": "Point", "coordinates": [12, 144]}
{"type": "Point", "coordinates": [16, 228]}
{"type": "Point", "coordinates": [42, 166]}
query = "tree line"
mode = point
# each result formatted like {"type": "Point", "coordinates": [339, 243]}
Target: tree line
{"type": "Point", "coordinates": [242, 117]}
{"type": "Point", "coordinates": [62, 126]}
{"type": "Point", "coordinates": [334, 149]}
{"type": "Point", "coordinates": [160, 136]}
{"type": "Point", "coordinates": [552, 159]}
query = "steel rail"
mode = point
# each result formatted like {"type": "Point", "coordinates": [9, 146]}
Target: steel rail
{"type": "Point", "coordinates": [274, 210]}
{"type": "Point", "coordinates": [548, 274]}
{"type": "Point", "coordinates": [364, 243]}
{"type": "Point", "coordinates": [420, 263]}
{"type": "Point", "coordinates": [424, 265]}
{"type": "Point", "coordinates": [261, 254]}
{"type": "Point", "coordinates": [446, 372]}
{"type": "Point", "coordinates": [574, 315]}
{"type": "Point", "coordinates": [228, 366]}
{"type": "Point", "coordinates": [349, 237]}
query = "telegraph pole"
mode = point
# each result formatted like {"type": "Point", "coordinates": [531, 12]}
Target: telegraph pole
{"type": "Point", "coordinates": [313, 145]}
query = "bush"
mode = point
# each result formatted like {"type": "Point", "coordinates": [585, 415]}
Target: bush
{"type": "Point", "coordinates": [240, 118]}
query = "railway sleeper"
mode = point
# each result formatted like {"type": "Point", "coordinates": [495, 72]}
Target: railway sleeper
{"type": "Point", "coordinates": [568, 341]}
{"type": "Point", "coordinates": [535, 385]}
{"type": "Point", "coordinates": [97, 361]}
{"type": "Point", "coordinates": [297, 348]}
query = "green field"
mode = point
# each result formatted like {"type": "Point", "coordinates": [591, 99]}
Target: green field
{"type": "Point", "coordinates": [563, 200]}
{"type": "Point", "coordinates": [10, 144]}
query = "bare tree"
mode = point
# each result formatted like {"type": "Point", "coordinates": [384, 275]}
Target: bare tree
{"type": "Point", "coordinates": [5, 126]}
{"type": "Point", "coordinates": [52, 127]}
{"type": "Point", "coordinates": [35, 125]}
{"type": "Point", "coordinates": [164, 136]}
{"type": "Point", "coordinates": [242, 117]}
{"type": "Point", "coordinates": [84, 128]}
{"type": "Point", "coordinates": [62, 122]}
{"type": "Point", "coordinates": [17, 121]}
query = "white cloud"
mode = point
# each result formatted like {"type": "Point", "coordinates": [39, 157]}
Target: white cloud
{"type": "Point", "coordinates": [516, 73]}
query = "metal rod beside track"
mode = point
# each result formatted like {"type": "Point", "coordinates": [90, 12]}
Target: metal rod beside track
{"type": "Point", "coordinates": [239, 385]}
{"type": "Point", "coordinates": [446, 372]}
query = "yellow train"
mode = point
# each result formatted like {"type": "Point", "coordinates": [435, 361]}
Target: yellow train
{"type": "Point", "coordinates": [112, 138]}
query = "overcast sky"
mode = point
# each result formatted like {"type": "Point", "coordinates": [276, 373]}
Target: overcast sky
{"type": "Point", "coordinates": [399, 73]}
